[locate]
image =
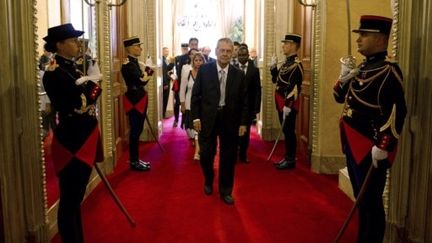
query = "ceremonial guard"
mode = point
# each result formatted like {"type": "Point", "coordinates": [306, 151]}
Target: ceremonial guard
{"type": "Point", "coordinates": [76, 143]}
{"type": "Point", "coordinates": [372, 119]}
{"type": "Point", "coordinates": [136, 75]}
{"type": "Point", "coordinates": [288, 79]}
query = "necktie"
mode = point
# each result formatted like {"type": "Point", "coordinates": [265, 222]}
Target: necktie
{"type": "Point", "coordinates": [243, 67]}
{"type": "Point", "coordinates": [222, 85]}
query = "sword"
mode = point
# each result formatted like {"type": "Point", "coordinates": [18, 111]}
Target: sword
{"type": "Point", "coordinates": [277, 139]}
{"type": "Point", "coordinates": [349, 60]}
{"type": "Point", "coordinates": [349, 26]}
{"type": "Point", "coordinates": [115, 197]}
{"type": "Point", "coordinates": [358, 199]}
{"type": "Point", "coordinates": [154, 135]}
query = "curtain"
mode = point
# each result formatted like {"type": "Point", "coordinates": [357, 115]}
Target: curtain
{"type": "Point", "coordinates": [207, 20]}
{"type": "Point", "coordinates": [228, 12]}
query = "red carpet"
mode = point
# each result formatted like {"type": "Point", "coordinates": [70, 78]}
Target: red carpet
{"type": "Point", "coordinates": [168, 203]}
{"type": "Point", "coordinates": [50, 175]}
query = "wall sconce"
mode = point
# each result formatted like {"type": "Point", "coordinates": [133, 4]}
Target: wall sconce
{"type": "Point", "coordinates": [308, 3]}
{"type": "Point", "coordinates": [109, 4]}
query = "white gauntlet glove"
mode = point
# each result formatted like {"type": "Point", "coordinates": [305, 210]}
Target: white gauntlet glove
{"type": "Point", "coordinates": [286, 110]}
{"type": "Point", "coordinates": [94, 73]}
{"type": "Point", "coordinates": [149, 62]}
{"type": "Point", "coordinates": [82, 80]}
{"type": "Point", "coordinates": [147, 71]}
{"type": "Point", "coordinates": [378, 154]}
{"type": "Point", "coordinates": [348, 69]}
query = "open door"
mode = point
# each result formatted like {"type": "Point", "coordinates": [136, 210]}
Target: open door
{"type": "Point", "coordinates": [118, 33]}
{"type": "Point", "coordinates": [2, 236]}
{"type": "Point", "coordinates": [304, 27]}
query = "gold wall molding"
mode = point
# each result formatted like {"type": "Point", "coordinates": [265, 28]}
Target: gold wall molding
{"type": "Point", "coordinates": [268, 131]}
{"type": "Point", "coordinates": [22, 172]}
{"type": "Point", "coordinates": [103, 38]}
{"type": "Point", "coordinates": [276, 24]}
{"type": "Point", "coordinates": [317, 59]}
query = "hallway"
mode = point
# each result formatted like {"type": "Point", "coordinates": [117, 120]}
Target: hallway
{"type": "Point", "coordinates": [168, 203]}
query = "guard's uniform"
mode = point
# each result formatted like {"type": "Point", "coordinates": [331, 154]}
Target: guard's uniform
{"type": "Point", "coordinates": [288, 79]}
{"type": "Point", "coordinates": [77, 133]}
{"type": "Point", "coordinates": [135, 103]}
{"type": "Point", "coordinates": [373, 114]}
{"type": "Point", "coordinates": [374, 109]}
{"type": "Point", "coordinates": [76, 144]}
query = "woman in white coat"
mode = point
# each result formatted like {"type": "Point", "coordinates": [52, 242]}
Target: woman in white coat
{"type": "Point", "coordinates": [188, 76]}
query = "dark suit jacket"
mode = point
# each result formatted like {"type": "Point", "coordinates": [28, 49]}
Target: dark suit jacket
{"type": "Point", "coordinates": [209, 59]}
{"type": "Point", "coordinates": [179, 62]}
{"type": "Point", "coordinates": [132, 75]}
{"type": "Point", "coordinates": [206, 94]}
{"type": "Point", "coordinates": [254, 90]}
{"type": "Point", "coordinates": [165, 69]}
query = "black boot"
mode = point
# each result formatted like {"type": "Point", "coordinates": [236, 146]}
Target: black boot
{"type": "Point", "coordinates": [139, 166]}
{"type": "Point", "coordinates": [286, 164]}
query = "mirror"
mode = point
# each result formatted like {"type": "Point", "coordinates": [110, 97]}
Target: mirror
{"type": "Point", "coordinates": [51, 13]}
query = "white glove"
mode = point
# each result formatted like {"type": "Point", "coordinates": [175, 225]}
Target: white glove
{"type": "Point", "coordinates": [286, 110]}
{"type": "Point", "coordinates": [378, 154]}
{"type": "Point", "coordinates": [84, 79]}
{"type": "Point", "coordinates": [94, 72]}
{"type": "Point", "coordinates": [274, 61]}
{"type": "Point", "coordinates": [149, 62]}
{"type": "Point", "coordinates": [93, 69]}
{"type": "Point", "coordinates": [348, 69]}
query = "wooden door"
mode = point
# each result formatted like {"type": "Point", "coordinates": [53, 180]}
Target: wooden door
{"type": "Point", "coordinates": [119, 27]}
{"type": "Point", "coordinates": [2, 235]}
{"type": "Point", "coordinates": [303, 26]}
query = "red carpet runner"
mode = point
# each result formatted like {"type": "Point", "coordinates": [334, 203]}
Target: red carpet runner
{"type": "Point", "coordinates": [169, 205]}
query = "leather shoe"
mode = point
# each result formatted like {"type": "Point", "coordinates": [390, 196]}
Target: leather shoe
{"type": "Point", "coordinates": [139, 166]}
{"type": "Point", "coordinates": [208, 190]}
{"type": "Point", "coordinates": [279, 162]}
{"type": "Point", "coordinates": [228, 199]}
{"type": "Point", "coordinates": [144, 163]}
{"type": "Point", "coordinates": [286, 165]}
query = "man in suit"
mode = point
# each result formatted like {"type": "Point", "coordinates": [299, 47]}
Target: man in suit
{"type": "Point", "coordinates": [166, 67]}
{"type": "Point", "coordinates": [288, 79]}
{"type": "Point", "coordinates": [252, 77]}
{"type": "Point", "coordinates": [179, 62]}
{"type": "Point", "coordinates": [234, 58]}
{"type": "Point", "coordinates": [253, 56]}
{"type": "Point", "coordinates": [219, 108]}
{"type": "Point", "coordinates": [206, 52]}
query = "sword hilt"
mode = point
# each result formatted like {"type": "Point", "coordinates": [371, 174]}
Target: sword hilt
{"type": "Point", "coordinates": [349, 61]}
